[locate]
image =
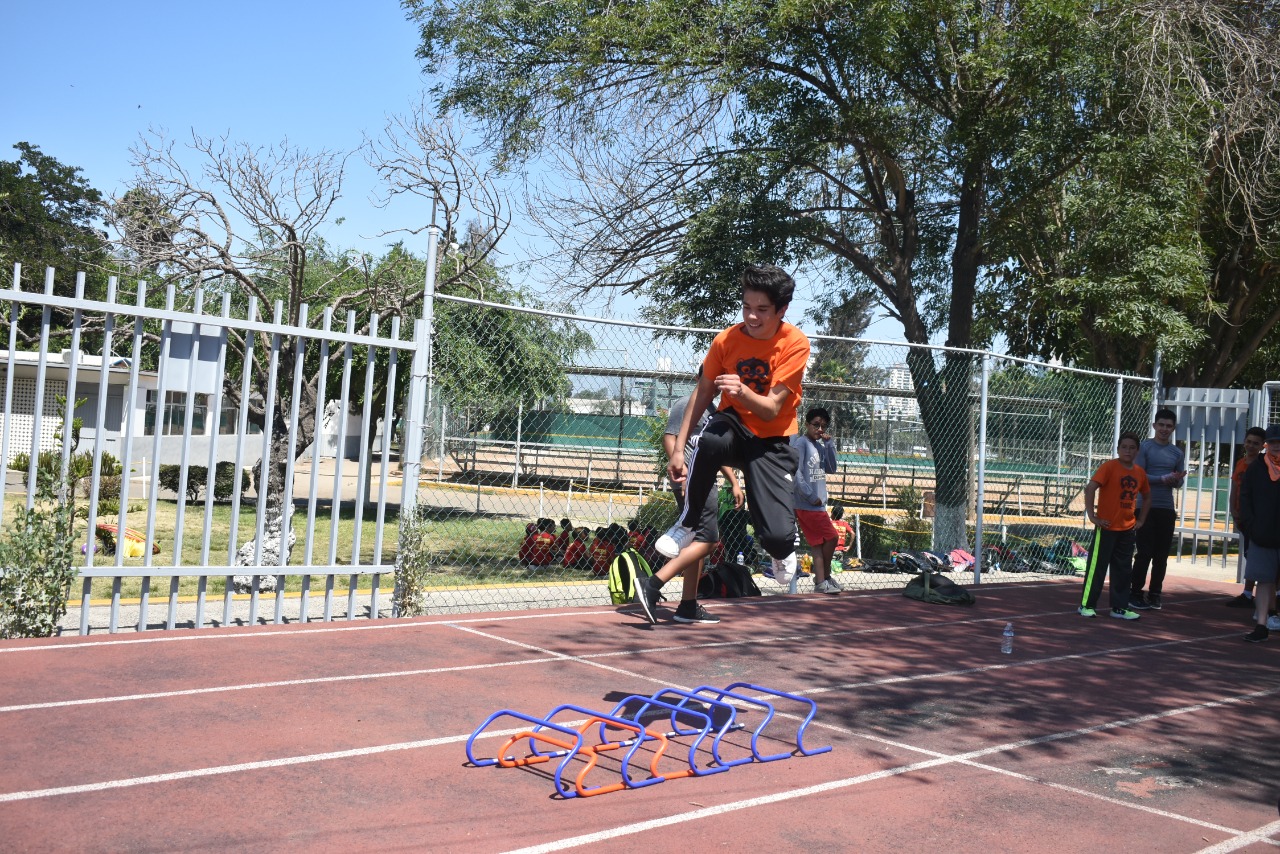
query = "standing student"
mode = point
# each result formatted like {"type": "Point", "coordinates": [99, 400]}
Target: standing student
{"type": "Point", "coordinates": [1259, 519]}
{"type": "Point", "coordinates": [1254, 439]}
{"type": "Point", "coordinates": [1116, 485]}
{"type": "Point", "coordinates": [817, 459]}
{"type": "Point", "coordinates": [1166, 469]}
{"type": "Point", "coordinates": [756, 367]}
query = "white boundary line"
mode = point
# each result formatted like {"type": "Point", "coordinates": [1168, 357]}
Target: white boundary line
{"type": "Point", "coordinates": [591, 659]}
{"type": "Point", "coordinates": [433, 621]}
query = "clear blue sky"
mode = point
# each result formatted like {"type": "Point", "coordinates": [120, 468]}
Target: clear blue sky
{"type": "Point", "coordinates": [83, 80]}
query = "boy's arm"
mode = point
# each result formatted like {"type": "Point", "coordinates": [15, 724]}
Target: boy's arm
{"type": "Point", "coordinates": [738, 497]}
{"type": "Point", "coordinates": [1090, 491]}
{"type": "Point", "coordinates": [766, 406]}
{"type": "Point", "coordinates": [701, 398]}
{"type": "Point", "coordinates": [828, 450]}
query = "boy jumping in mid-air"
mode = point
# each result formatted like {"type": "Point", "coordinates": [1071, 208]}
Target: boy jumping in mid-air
{"type": "Point", "coordinates": [756, 367]}
{"type": "Point", "coordinates": [1116, 485]}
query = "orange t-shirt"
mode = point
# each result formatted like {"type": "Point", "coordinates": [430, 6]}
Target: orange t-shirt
{"type": "Point", "coordinates": [575, 553]}
{"type": "Point", "coordinates": [601, 557]}
{"type": "Point", "coordinates": [1236, 475]}
{"type": "Point", "coordinates": [762, 365]}
{"type": "Point", "coordinates": [1118, 489]}
{"type": "Point", "coordinates": [844, 534]}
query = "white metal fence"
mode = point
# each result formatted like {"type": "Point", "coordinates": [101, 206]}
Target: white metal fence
{"type": "Point", "coordinates": [209, 523]}
{"type": "Point", "coordinates": [520, 415]}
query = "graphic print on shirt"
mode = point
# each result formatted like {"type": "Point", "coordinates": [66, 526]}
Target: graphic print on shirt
{"type": "Point", "coordinates": [1128, 490]}
{"type": "Point", "coordinates": [755, 374]}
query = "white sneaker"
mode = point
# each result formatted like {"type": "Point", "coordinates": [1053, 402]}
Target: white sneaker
{"type": "Point", "coordinates": [1273, 622]}
{"type": "Point", "coordinates": [676, 538]}
{"type": "Point", "coordinates": [826, 586]}
{"type": "Point", "coordinates": [784, 570]}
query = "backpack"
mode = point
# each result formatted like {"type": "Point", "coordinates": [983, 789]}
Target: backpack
{"type": "Point", "coordinates": [727, 581]}
{"type": "Point", "coordinates": [622, 570]}
{"type": "Point", "coordinates": [937, 588]}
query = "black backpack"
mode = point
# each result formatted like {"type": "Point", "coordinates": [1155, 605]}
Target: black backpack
{"type": "Point", "coordinates": [937, 588]}
{"type": "Point", "coordinates": [727, 581]}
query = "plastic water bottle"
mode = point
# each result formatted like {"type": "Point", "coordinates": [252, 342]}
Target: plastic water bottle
{"type": "Point", "coordinates": [741, 559]}
{"type": "Point", "coordinates": [1006, 640]}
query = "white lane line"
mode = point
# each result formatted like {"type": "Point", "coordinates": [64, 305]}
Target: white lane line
{"type": "Point", "coordinates": [438, 620]}
{"type": "Point", "coordinates": [962, 758]}
{"type": "Point", "coordinates": [282, 762]}
{"type": "Point", "coordinates": [592, 660]}
{"type": "Point", "coordinates": [1261, 834]}
{"type": "Point", "coordinates": [298, 630]}
{"type": "Point", "coordinates": [284, 683]}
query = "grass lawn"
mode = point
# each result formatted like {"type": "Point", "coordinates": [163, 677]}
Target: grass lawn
{"type": "Point", "coordinates": [463, 550]}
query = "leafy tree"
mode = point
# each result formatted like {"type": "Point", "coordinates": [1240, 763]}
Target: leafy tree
{"type": "Point", "coordinates": [1166, 236]}
{"type": "Point", "coordinates": [48, 218]}
{"type": "Point", "coordinates": [892, 141]}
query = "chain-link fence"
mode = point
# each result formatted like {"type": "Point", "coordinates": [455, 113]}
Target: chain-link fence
{"type": "Point", "coordinates": [544, 430]}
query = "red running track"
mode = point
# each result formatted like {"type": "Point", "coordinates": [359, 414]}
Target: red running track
{"type": "Point", "coordinates": [1094, 735]}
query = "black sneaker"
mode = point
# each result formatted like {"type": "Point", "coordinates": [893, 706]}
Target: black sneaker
{"type": "Point", "coordinates": [1153, 601]}
{"type": "Point", "coordinates": [1241, 601]}
{"type": "Point", "coordinates": [647, 598]}
{"type": "Point", "coordinates": [692, 612]}
{"type": "Point", "coordinates": [1258, 635]}
{"type": "Point", "coordinates": [1138, 602]}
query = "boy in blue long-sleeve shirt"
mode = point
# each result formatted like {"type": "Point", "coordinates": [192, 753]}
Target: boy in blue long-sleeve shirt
{"type": "Point", "coordinates": [1166, 468]}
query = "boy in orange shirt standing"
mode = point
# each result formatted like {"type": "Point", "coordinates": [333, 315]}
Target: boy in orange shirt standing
{"type": "Point", "coordinates": [1116, 485]}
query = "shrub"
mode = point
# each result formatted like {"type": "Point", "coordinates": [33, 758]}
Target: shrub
{"type": "Point", "coordinates": [224, 481]}
{"type": "Point", "coordinates": [170, 478]}
{"type": "Point", "coordinates": [875, 537]}
{"type": "Point", "coordinates": [38, 564]}
{"type": "Point", "coordinates": [413, 565]}
{"type": "Point", "coordinates": [657, 512]}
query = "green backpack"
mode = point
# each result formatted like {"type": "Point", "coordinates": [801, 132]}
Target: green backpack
{"type": "Point", "coordinates": [622, 570]}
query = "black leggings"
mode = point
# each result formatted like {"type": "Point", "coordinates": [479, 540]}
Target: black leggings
{"type": "Point", "coordinates": [1154, 539]}
{"type": "Point", "coordinates": [768, 466]}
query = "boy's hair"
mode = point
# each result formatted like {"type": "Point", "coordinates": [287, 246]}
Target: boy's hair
{"type": "Point", "coordinates": [1256, 431]}
{"type": "Point", "coordinates": [837, 512]}
{"type": "Point", "coordinates": [565, 523]}
{"type": "Point", "coordinates": [817, 412]}
{"type": "Point", "coordinates": [1166, 415]}
{"type": "Point", "coordinates": [773, 282]}
{"type": "Point", "coordinates": [1129, 434]}
{"type": "Point", "coordinates": [546, 525]}
{"type": "Point", "coordinates": [581, 533]}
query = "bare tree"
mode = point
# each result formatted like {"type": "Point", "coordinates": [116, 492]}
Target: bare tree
{"type": "Point", "coordinates": [246, 219]}
{"type": "Point", "coordinates": [425, 154]}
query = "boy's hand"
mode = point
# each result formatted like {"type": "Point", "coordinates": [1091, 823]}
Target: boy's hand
{"type": "Point", "coordinates": [675, 468]}
{"type": "Point", "coordinates": [730, 384]}
{"type": "Point", "coordinates": [1175, 478]}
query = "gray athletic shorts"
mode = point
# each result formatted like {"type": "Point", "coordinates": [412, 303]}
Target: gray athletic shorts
{"type": "Point", "coordinates": [1263, 564]}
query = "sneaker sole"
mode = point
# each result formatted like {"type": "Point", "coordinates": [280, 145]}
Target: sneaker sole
{"type": "Point", "coordinates": [643, 601]}
{"type": "Point", "coordinates": [689, 620]}
{"type": "Point", "coordinates": [667, 547]}
{"type": "Point", "coordinates": [1123, 617]}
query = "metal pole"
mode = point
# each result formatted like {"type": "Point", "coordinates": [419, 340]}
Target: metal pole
{"type": "Point", "coordinates": [1115, 433]}
{"type": "Point", "coordinates": [982, 471]}
{"type": "Point", "coordinates": [515, 470]}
